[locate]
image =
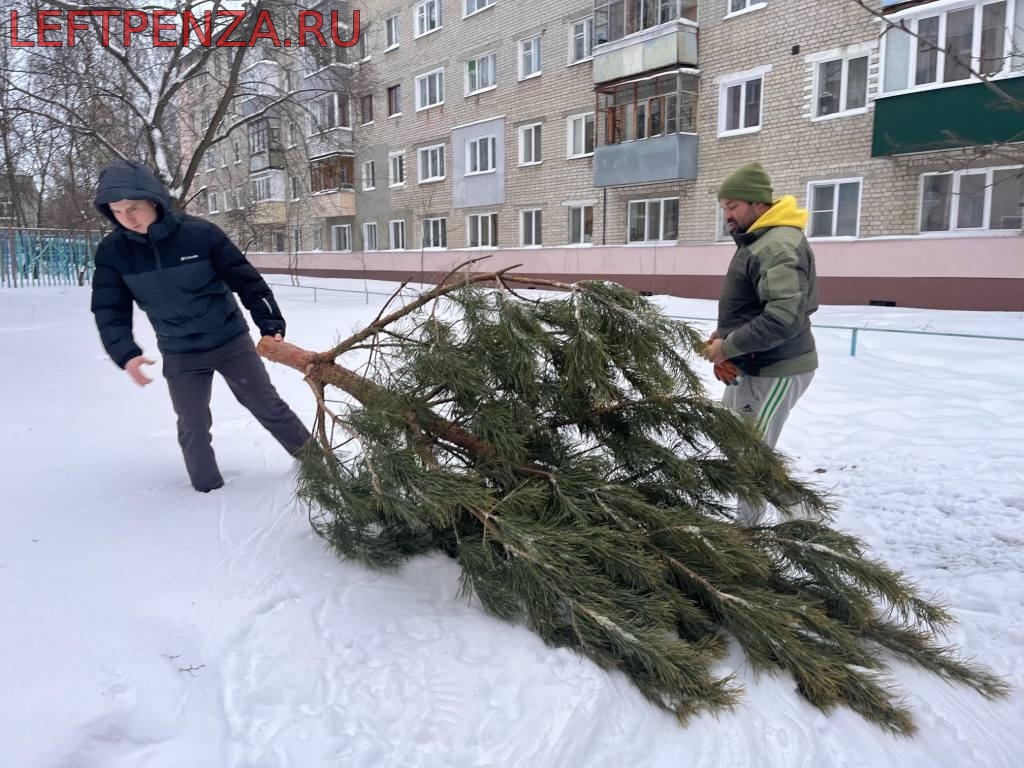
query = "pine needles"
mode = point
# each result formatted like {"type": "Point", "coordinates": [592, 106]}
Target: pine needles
{"type": "Point", "coordinates": [565, 453]}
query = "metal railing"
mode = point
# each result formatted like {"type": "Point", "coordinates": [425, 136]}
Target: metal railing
{"type": "Point", "coordinates": [30, 256]}
{"type": "Point", "coordinates": [855, 330]}
{"type": "Point", "coordinates": [858, 329]}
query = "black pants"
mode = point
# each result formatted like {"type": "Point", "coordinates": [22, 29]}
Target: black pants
{"type": "Point", "coordinates": [190, 379]}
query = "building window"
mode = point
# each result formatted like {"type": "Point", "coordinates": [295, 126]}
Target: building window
{"type": "Point", "coordinates": [296, 238]}
{"type": "Point", "coordinates": [737, 6]}
{"type": "Point", "coordinates": [482, 230]}
{"type": "Point", "coordinates": [648, 108]}
{"type": "Point", "coordinates": [296, 185]}
{"type": "Point", "coordinates": [397, 230]}
{"type": "Point", "coordinates": [653, 221]}
{"type": "Point", "coordinates": [614, 19]}
{"type": "Point", "coordinates": [236, 150]}
{"type": "Point", "coordinates": [581, 135]}
{"type": "Point", "coordinates": [259, 136]}
{"type": "Point", "coordinates": [396, 169]}
{"type": "Point", "coordinates": [430, 89]}
{"type": "Point", "coordinates": [435, 233]}
{"type": "Point", "coordinates": [329, 111]}
{"type": "Point", "coordinates": [841, 85]}
{"type": "Point", "coordinates": [529, 57]}
{"type": "Point", "coordinates": [330, 173]}
{"type": "Point", "coordinates": [211, 202]}
{"type": "Point", "coordinates": [581, 40]}
{"type": "Point", "coordinates": [369, 175]}
{"type": "Point", "coordinates": [431, 163]}
{"type": "Point", "coordinates": [341, 237]}
{"type": "Point", "coordinates": [530, 227]}
{"type": "Point", "coordinates": [391, 27]}
{"type": "Point", "coordinates": [835, 208]}
{"type": "Point", "coordinates": [259, 187]}
{"type": "Point", "coordinates": [394, 100]}
{"type": "Point", "coordinates": [480, 155]}
{"type": "Point", "coordinates": [428, 17]}
{"type": "Point", "coordinates": [475, 6]}
{"type": "Point", "coordinates": [366, 109]}
{"type": "Point", "coordinates": [945, 47]}
{"type": "Point", "coordinates": [529, 144]}
{"type": "Point", "coordinates": [481, 73]}
{"type": "Point", "coordinates": [739, 106]}
{"type": "Point", "coordinates": [581, 224]}
{"type": "Point", "coordinates": [370, 236]}
{"type": "Point", "coordinates": [972, 199]}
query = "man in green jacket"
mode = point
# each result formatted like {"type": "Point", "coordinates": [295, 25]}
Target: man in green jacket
{"type": "Point", "coordinates": [768, 296]}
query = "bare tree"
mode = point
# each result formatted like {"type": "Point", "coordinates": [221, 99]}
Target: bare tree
{"type": "Point", "coordinates": [138, 100]}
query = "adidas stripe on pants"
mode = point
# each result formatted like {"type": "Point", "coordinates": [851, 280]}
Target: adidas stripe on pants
{"type": "Point", "coordinates": [766, 401]}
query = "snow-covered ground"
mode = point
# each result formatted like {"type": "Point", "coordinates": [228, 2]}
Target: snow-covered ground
{"type": "Point", "coordinates": [143, 625]}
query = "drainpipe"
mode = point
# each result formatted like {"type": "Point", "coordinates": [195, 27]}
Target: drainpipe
{"type": "Point", "coordinates": [604, 216]}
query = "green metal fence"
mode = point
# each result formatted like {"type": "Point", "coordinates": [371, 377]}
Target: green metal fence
{"type": "Point", "coordinates": [46, 256]}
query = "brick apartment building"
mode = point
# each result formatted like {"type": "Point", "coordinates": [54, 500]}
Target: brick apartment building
{"type": "Point", "coordinates": [586, 139]}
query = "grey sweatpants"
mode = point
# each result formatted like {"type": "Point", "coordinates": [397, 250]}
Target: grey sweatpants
{"type": "Point", "coordinates": [766, 401]}
{"type": "Point", "coordinates": [190, 380]}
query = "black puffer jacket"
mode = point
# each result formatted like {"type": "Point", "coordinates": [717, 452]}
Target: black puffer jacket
{"type": "Point", "coordinates": [181, 273]}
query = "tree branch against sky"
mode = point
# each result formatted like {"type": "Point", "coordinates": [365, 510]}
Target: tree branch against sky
{"type": "Point", "coordinates": [133, 100]}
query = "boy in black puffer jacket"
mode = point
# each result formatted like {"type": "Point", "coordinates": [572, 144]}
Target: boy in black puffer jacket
{"type": "Point", "coordinates": [183, 271]}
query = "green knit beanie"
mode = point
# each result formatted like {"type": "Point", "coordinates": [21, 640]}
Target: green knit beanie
{"type": "Point", "coordinates": [749, 183]}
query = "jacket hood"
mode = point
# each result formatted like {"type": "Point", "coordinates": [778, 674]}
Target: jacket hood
{"type": "Point", "coordinates": [128, 180]}
{"type": "Point", "coordinates": [784, 213]}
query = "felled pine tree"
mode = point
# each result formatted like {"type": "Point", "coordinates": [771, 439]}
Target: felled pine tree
{"type": "Point", "coordinates": [563, 450]}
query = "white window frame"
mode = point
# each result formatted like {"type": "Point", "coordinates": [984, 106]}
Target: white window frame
{"type": "Point", "coordinates": [745, 6]}
{"type": "Point", "coordinates": [478, 6]}
{"type": "Point", "coordinates": [436, 233]}
{"type": "Point", "coordinates": [369, 175]}
{"type": "Point", "coordinates": [421, 18]}
{"type": "Point", "coordinates": [296, 186]}
{"type": "Point", "coordinates": [954, 194]}
{"type": "Point", "coordinates": [1012, 40]}
{"type": "Point", "coordinates": [741, 80]}
{"type": "Point", "coordinates": [535, 54]}
{"type": "Point", "coordinates": [396, 169]}
{"type": "Point", "coordinates": [342, 109]}
{"type": "Point", "coordinates": [834, 183]}
{"type": "Point", "coordinates": [481, 152]}
{"type": "Point", "coordinates": [211, 202]}
{"type": "Point", "coordinates": [368, 227]}
{"type": "Point", "coordinates": [485, 64]}
{"type": "Point", "coordinates": [438, 76]}
{"type": "Point", "coordinates": [580, 210]}
{"type": "Point", "coordinates": [260, 187]}
{"type": "Point", "coordinates": [296, 238]}
{"type": "Point", "coordinates": [843, 95]}
{"type": "Point", "coordinates": [485, 227]}
{"type": "Point", "coordinates": [587, 32]}
{"type": "Point", "coordinates": [536, 216]}
{"type": "Point", "coordinates": [341, 234]}
{"type": "Point", "coordinates": [534, 129]}
{"type": "Point", "coordinates": [435, 159]}
{"type": "Point", "coordinates": [392, 32]}
{"type": "Point", "coordinates": [571, 122]}
{"type": "Point", "coordinates": [396, 234]}
{"type": "Point", "coordinates": [661, 220]}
